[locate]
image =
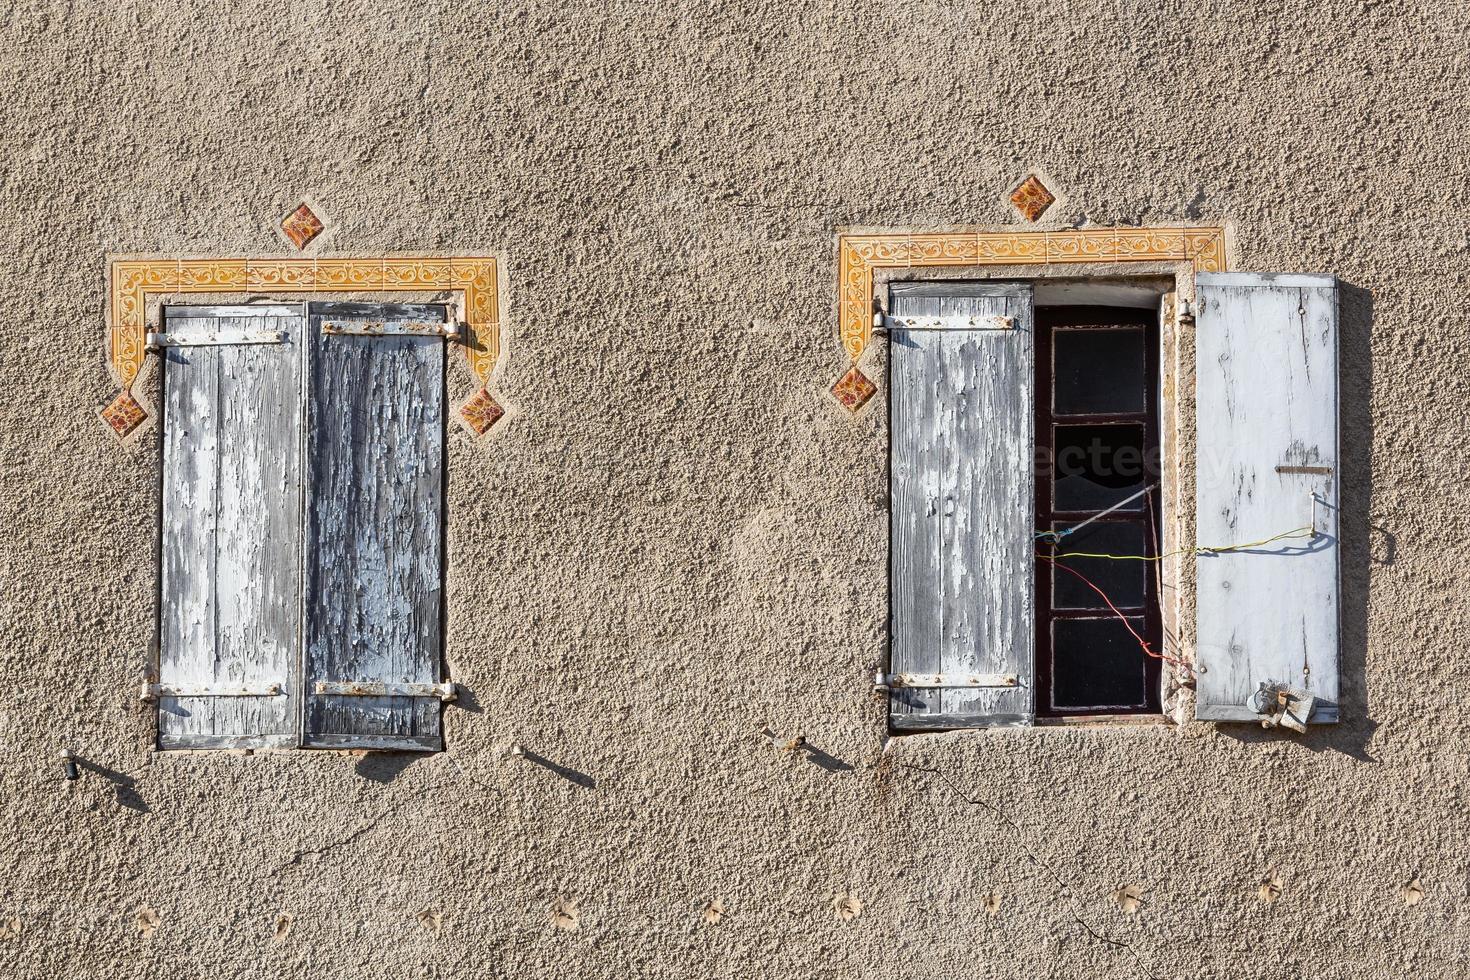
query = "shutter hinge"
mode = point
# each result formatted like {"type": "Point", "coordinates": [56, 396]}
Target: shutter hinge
{"type": "Point", "coordinates": [379, 689]}
{"type": "Point", "coordinates": [392, 328]}
{"type": "Point", "coordinates": [152, 692]}
{"type": "Point", "coordinates": [890, 682]}
{"type": "Point", "coordinates": [216, 338]}
{"type": "Point", "coordinates": [990, 321]}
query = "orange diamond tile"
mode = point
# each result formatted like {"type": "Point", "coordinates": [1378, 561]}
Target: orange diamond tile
{"type": "Point", "coordinates": [481, 412]}
{"type": "Point", "coordinates": [853, 389]}
{"type": "Point", "coordinates": [302, 225]}
{"type": "Point", "coordinates": [1032, 198]}
{"type": "Point", "coordinates": [124, 414]}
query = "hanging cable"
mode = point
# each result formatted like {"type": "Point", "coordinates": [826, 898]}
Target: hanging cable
{"type": "Point", "coordinates": [1142, 643]}
{"type": "Point", "coordinates": [1055, 536]}
{"type": "Point", "coordinates": [1295, 533]}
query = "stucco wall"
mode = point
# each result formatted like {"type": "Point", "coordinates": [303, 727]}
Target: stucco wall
{"type": "Point", "coordinates": [678, 536]}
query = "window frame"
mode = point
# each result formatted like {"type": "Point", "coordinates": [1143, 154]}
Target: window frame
{"type": "Point", "coordinates": [1049, 319]}
{"type": "Point", "coordinates": [298, 674]}
{"type": "Point", "coordinates": [1148, 299]}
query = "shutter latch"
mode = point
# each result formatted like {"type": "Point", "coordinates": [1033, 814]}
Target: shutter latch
{"type": "Point", "coordinates": [893, 682]}
{"type": "Point", "coordinates": [378, 689]}
{"type": "Point", "coordinates": [1282, 706]}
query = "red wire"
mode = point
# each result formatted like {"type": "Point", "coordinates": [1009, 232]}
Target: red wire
{"type": "Point", "coordinates": [1126, 625]}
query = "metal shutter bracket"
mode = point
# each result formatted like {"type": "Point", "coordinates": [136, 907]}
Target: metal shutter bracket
{"type": "Point", "coordinates": [890, 682]}
{"type": "Point", "coordinates": [152, 692]}
{"type": "Point", "coordinates": [993, 321]}
{"type": "Point", "coordinates": [246, 335]}
{"type": "Point", "coordinates": [377, 689]}
{"type": "Point", "coordinates": [391, 328]}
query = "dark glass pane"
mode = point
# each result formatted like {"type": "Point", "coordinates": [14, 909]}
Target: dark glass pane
{"type": "Point", "coordinates": [1123, 581]}
{"type": "Point", "coordinates": [1099, 371]}
{"type": "Point", "coordinates": [1096, 663]}
{"type": "Point", "coordinates": [1099, 465]}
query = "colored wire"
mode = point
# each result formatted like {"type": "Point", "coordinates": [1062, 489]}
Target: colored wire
{"type": "Point", "coordinates": [1295, 533]}
{"type": "Point", "coordinates": [1142, 643]}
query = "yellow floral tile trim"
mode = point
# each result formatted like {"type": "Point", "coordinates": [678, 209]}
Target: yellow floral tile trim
{"type": "Point", "coordinates": [133, 280]}
{"type": "Point", "coordinates": [859, 254]}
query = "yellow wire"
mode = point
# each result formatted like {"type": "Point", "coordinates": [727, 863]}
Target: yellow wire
{"type": "Point", "coordinates": [1300, 532]}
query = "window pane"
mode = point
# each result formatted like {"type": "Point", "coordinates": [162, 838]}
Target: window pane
{"type": "Point", "coordinates": [1100, 465]}
{"type": "Point", "coordinates": [1099, 371]}
{"type": "Point", "coordinates": [1096, 663]}
{"type": "Point", "coordinates": [1123, 581]}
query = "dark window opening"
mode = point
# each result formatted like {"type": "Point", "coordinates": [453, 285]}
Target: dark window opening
{"type": "Point", "coordinates": [1097, 428]}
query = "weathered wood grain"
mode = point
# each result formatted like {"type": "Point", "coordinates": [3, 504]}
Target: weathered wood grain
{"type": "Point", "coordinates": [375, 445]}
{"type": "Point", "coordinates": [231, 519]}
{"type": "Point", "coordinates": [963, 508]}
{"type": "Point", "coordinates": [1267, 397]}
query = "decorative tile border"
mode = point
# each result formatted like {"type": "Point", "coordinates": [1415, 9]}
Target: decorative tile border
{"type": "Point", "coordinates": [134, 280]}
{"type": "Point", "coordinates": [859, 254]}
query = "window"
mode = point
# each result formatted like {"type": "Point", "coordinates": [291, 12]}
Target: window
{"type": "Point", "coordinates": [1025, 445]}
{"type": "Point", "coordinates": [301, 544]}
{"type": "Point", "coordinates": [1097, 493]}
{"type": "Point", "coordinates": [1010, 420]}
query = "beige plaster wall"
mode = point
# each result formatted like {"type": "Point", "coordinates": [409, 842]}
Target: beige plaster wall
{"type": "Point", "coordinates": [678, 537]}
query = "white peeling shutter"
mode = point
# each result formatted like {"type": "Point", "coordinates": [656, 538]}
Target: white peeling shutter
{"type": "Point", "coordinates": [375, 445]}
{"type": "Point", "coordinates": [229, 610]}
{"type": "Point", "coordinates": [962, 505]}
{"type": "Point", "coordinates": [1266, 465]}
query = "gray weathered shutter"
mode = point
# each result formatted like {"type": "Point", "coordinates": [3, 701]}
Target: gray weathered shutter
{"type": "Point", "coordinates": [374, 565]}
{"type": "Point", "coordinates": [962, 505]}
{"type": "Point", "coordinates": [229, 610]}
{"type": "Point", "coordinates": [1267, 464]}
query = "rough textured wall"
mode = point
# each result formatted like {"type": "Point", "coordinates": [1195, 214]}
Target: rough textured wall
{"type": "Point", "coordinates": [678, 537]}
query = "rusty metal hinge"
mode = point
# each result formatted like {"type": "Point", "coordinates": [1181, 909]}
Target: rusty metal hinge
{"type": "Point", "coordinates": [889, 682]}
{"type": "Point", "coordinates": [392, 328]}
{"type": "Point", "coordinates": [989, 321]}
{"type": "Point", "coordinates": [380, 689]}
{"type": "Point", "coordinates": [215, 338]}
{"type": "Point", "coordinates": [152, 692]}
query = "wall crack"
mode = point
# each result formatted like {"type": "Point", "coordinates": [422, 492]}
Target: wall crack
{"type": "Point", "coordinates": [1066, 889]}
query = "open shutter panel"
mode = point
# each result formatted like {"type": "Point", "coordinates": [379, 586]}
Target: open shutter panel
{"type": "Point", "coordinates": [374, 558]}
{"type": "Point", "coordinates": [962, 505]}
{"type": "Point", "coordinates": [1267, 464]}
{"type": "Point", "coordinates": [229, 613]}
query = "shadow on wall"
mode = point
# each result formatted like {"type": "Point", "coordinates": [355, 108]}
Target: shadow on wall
{"type": "Point", "coordinates": [122, 784]}
{"type": "Point", "coordinates": [571, 775]}
{"type": "Point", "coordinates": [1362, 543]}
{"type": "Point", "coordinates": [384, 767]}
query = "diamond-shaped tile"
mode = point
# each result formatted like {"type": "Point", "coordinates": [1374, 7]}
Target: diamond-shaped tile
{"type": "Point", "coordinates": [481, 412]}
{"type": "Point", "coordinates": [853, 389]}
{"type": "Point", "coordinates": [302, 225]}
{"type": "Point", "coordinates": [1032, 198]}
{"type": "Point", "coordinates": [124, 414]}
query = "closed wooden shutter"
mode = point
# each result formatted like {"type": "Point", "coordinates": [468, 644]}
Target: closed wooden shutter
{"type": "Point", "coordinates": [230, 600]}
{"type": "Point", "coordinates": [374, 549]}
{"type": "Point", "coordinates": [1267, 465]}
{"type": "Point", "coordinates": [962, 504]}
